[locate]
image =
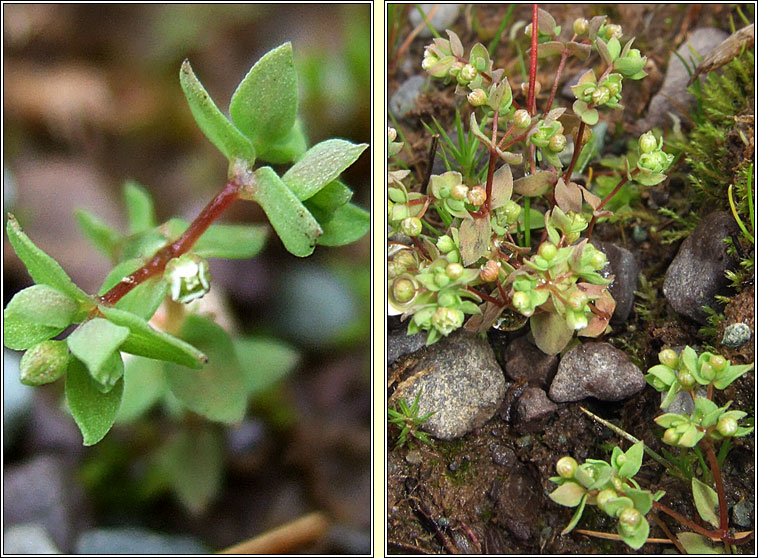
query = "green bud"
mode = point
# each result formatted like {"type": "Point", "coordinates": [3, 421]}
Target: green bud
{"type": "Point", "coordinates": [566, 466]}
{"type": "Point", "coordinates": [521, 302]}
{"type": "Point", "coordinates": [459, 192]}
{"type": "Point", "coordinates": [658, 384]}
{"type": "Point", "coordinates": [477, 97]}
{"type": "Point", "coordinates": [707, 371]}
{"type": "Point", "coordinates": [489, 271]}
{"type": "Point", "coordinates": [454, 271]}
{"type": "Point", "coordinates": [188, 277]}
{"type": "Point", "coordinates": [614, 87]}
{"type": "Point", "coordinates": [629, 519]}
{"type": "Point", "coordinates": [44, 363]}
{"type": "Point", "coordinates": [648, 143]}
{"type": "Point", "coordinates": [429, 61]}
{"type": "Point", "coordinates": [718, 362]}
{"type": "Point", "coordinates": [476, 196]}
{"type": "Point", "coordinates": [411, 226]}
{"type": "Point", "coordinates": [406, 259]}
{"type": "Point", "coordinates": [581, 26]}
{"type": "Point", "coordinates": [727, 426]}
{"type": "Point", "coordinates": [468, 72]}
{"type": "Point", "coordinates": [577, 300]}
{"type": "Point", "coordinates": [446, 299]}
{"type": "Point", "coordinates": [391, 133]}
{"type": "Point", "coordinates": [441, 279]}
{"type": "Point", "coordinates": [671, 436]}
{"type": "Point", "coordinates": [669, 358]}
{"type": "Point", "coordinates": [576, 320]}
{"type": "Point", "coordinates": [656, 161]}
{"type": "Point", "coordinates": [403, 290]}
{"type": "Point", "coordinates": [598, 260]}
{"type": "Point", "coordinates": [447, 320]}
{"type": "Point", "coordinates": [614, 30]}
{"type": "Point", "coordinates": [394, 269]}
{"type": "Point", "coordinates": [547, 250]}
{"type": "Point", "coordinates": [604, 496]}
{"type": "Point", "coordinates": [512, 210]}
{"type": "Point", "coordinates": [601, 95]}
{"type": "Point", "coordinates": [686, 379]}
{"type": "Point", "coordinates": [521, 118]}
{"type": "Point", "coordinates": [557, 143]}
{"type": "Point", "coordinates": [445, 244]}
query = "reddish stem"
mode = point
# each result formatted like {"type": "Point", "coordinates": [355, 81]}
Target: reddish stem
{"type": "Point", "coordinates": [531, 101]}
{"type": "Point", "coordinates": [606, 199]}
{"type": "Point", "coordinates": [157, 264]}
{"type": "Point", "coordinates": [716, 471]}
{"type": "Point", "coordinates": [577, 149]}
{"type": "Point", "coordinates": [558, 73]}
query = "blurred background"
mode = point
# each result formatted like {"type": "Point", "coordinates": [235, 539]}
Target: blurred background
{"type": "Point", "coordinates": [91, 99]}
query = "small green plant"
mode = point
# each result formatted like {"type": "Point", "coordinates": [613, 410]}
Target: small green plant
{"type": "Point", "coordinates": [611, 487]}
{"type": "Point", "coordinates": [482, 261]}
{"type": "Point", "coordinates": [193, 359]}
{"type": "Point", "coordinates": [409, 422]}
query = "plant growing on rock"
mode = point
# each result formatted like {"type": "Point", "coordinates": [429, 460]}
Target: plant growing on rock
{"type": "Point", "coordinates": [482, 261]}
{"type": "Point", "coordinates": [307, 206]}
{"type": "Point", "coordinates": [611, 487]}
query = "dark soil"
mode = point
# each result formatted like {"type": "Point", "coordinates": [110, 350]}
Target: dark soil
{"type": "Point", "coordinates": [487, 492]}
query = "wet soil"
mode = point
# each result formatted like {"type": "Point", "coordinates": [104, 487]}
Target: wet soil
{"type": "Point", "coordinates": [487, 492]}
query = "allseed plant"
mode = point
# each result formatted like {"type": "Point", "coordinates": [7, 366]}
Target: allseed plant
{"type": "Point", "coordinates": [610, 486]}
{"type": "Point", "coordinates": [307, 206]}
{"type": "Point", "coordinates": [514, 246]}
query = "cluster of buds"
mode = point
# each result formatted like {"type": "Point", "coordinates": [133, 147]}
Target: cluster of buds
{"type": "Point", "coordinates": [453, 196]}
{"type": "Point", "coordinates": [403, 207]}
{"type": "Point", "coordinates": [611, 488]}
{"type": "Point", "coordinates": [707, 419]}
{"type": "Point", "coordinates": [505, 217]}
{"type": "Point", "coordinates": [653, 161]}
{"type": "Point", "coordinates": [687, 370]}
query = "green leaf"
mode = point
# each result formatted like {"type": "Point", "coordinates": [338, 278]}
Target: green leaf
{"type": "Point", "coordinates": [633, 460]}
{"type": "Point", "coordinates": [218, 390]}
{"type": "Point", "coordinates": [139, 207]}
{"type": "Point", "coordinates": [323, 204]}
{"type": "Point", "coordinates": [102, 236]}
{"type": "Point", "coordinates": [42, 268]}
{"type": "Point", "coordinates": [643, 499]}
{"type": "Point", "coordinates": [695, 543]}
{"type": "Point", "coordinates": [290, 148]}
{"type": "Point", "coordinates": [94, 343]}
{"type": "Point", "coordinates": [216, 127]}
{"type": "Point", "coordinates": [576, 517]}
{"type": "Point", "coordinates": [569, 494]}
{"type": "Point", "coordinates": [706, 502]}
{"type": "Point", "coordinates": [224, 241]}
{"type": "Point", "coordinates": [264, 361]}
{"type": "Point", "coordinates": [638, 537]}
{"type": "Point", "coordinates": [192, 462]}
{"type": "Point", "coordinates": [264, 105]}
{"type": "Point", "coordinates": [502, 187]}
{"type": "Point", "coordinates": [44, 363]}
{"type": "Point", "coordinates": [42, 305]}
{"type": "Point", "coordinates": [144, 383]}
{"type": "Point", "coordinates": [93, 411]}
{"type": "Point", "coordinates": [551, 334]}
{"type": "Point", "coordinates": [534, 185]}
{"type": "Point", "coordinates": [294, 224]}
{"type": "Point", "coordinates": [733, 372]}
{"type": "Point", "coordinates": [474, 237]}
{"type": "Point", "coordinates": [145, 341]}
{"type": "Point", "coordinates": [320, 165]}
{"type": "Point", "coordinates": [348, 224]}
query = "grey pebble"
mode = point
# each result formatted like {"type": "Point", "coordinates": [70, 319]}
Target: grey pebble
{"type": "Point", "coordinates": [404, 99]}
{"type": "Point", "coordinates": [442, 19]}
{"type": "Point", "coordinates": [697, 273]}
{"type": "Point", "coordinates": [27, 538]}
{"type": "Point", "coordinates": [460, 382]}
{"type": "Point", "coordinates": [532, 406]}
{"type": "Point", "coordinates": [131, 540]}
{"type": "Point", "coordinates": [736, 335]}
{"type": "Point", "coordinates": [625, 269]}
{"type": "Point", "coordinates": [400, 344]}
{"type": "Point", "coordinates": [596, 370]}
{"type": "Point", "coordinates": [524, 360]}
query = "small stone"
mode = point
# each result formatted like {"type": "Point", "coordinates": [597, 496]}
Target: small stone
{"type": "Point", "coordinates": [503, 455]}
{"type": "Point", "coordinates": [400, 344]}
{"type": "Point", "coordinates": [596, 370]}
{"type": "Point", "coordinates": [736, 335]}
{"type": "Point", "coordinates": [696, 275]}
{"type": "Point", "coordinates": [742, 513]}
{"type": "Point", "coordinates": [404, 99]}
{"type": "Point", "coordinates": [625, 269]}
{"type": "Point", "coordinates": [639, 234]}
{"type": "Point", "coordinates": [442, 19]}
{"type": "Point", "coordinates": [28, 538]}
{"type": "Point", "coordinates": [533, 405]}
{"type": "Point", "coordinates": [524, 360]}
{"type": "Point", "coordinates": [673, 93]}
{"type": "Point", "coordinates": [414, 457]}
{"type": "Point", "coordinates": [460, 382]}
{"type": "Point", "coordinates": [135, 541]}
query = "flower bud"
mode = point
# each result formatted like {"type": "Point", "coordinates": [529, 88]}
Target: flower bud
{"type": "Point", "coordinates": [528, 30]}
{"type": "Point", "coordinates": [468, 72]}
{"type": "Point", "coordinates": [581, 26]}
{"type": "Point", "coordinates": [727, 426]}
{"type": "Point", "coordinates": [614, 30]}
{"type": "Point", "coordinates": [477, 97]}
{"type": "Point", "coordinates": [566, 466]}
{"type": "Point", "coordinates": [403, 290]}
{"type": "Point", "coordinates": [604, 496]}
{"type": "Point", "coordinates": [454, 271]}
{"type": "Point", "coordinates": [557, 143]}
{"type": "Point", "coordinates": [477, 196]}
{"type": "Point", "coordinates": [512, 211]}
{"type": "Point", "coordinates": [613, 87]}
{"type": "Point", "coordinates": [577, 300]}
{"type": "Point", "coordinates": [394, 269]}
{"type": "Point", "coordinates": [669, 358]}
{"type": "Point", "coordinates": [188, 277]}
{"type": "Point", "coordinates": [576, 320]}
{"type": "Point", "coordinates": [718, 362]}
{"type": "Point", "coordinates": [411, 226]}
{"type": "Point", "coordinates": [598, 260]}
{"type": "Point", "coordinates": [44, 363]}
{"type": "Point", "coordinates": [525, 88]}
{"type": "Point", "coordinates": [447, 320]}
{"type": "Point", "coordinates": [686, 379]}
{"type": "Point", "coordinates": [447, 299]}
{"type": "Point", "coordinates": [406, 259]}
{"type": "Point", "coordinates": [459, 192]}
{"type": "Point", "coordinates": [521, 119]}
{"type": "Point", "coordinates": [648, 143]}
{"type": "Point", "coordinates": [629, 519]}
{"type": "Point", "coordinates": [489, 271]}
{"type": "Point", "coordinates": [429, 61]}
{"type": "Point", "coordinates": [707, 371]}
{"type": "Point", "coordinates": [521, 302]}
{"type": "Point", "coordinates": [601, 95]}
{"type": "Point", "coordinates": [391, 133]}
{"type": "Point", "coordinates": [441, 279]}
{"type": "Point", "coordinates": [445, 244]}
{"type": "Point", "coordinates": [547, 250]}
{"type": "Point", "coordinates": [671, 436]}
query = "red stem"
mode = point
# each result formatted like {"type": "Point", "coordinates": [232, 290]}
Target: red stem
{"type": "Point", "coordinates": [716, 471]}
{"type": "Point", "coordinates": [558, 73]}
{"type": "Point", "coordinates": [157, 264]}
{"type": "Point", "coordinates": [531, 104]}
{"type": "Point", "coordinates": [606, 199]}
